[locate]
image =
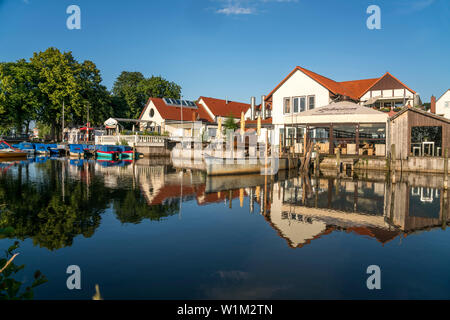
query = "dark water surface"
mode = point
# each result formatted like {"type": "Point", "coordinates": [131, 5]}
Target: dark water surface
{"type": "Point", "coordinates": [240, 237]}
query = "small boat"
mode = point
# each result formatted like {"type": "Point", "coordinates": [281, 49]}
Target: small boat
{"type": "Point", "coordinates": [89, 149]}
{"type": "Point", "coordinates": [53, 148]}
{"type": "Point", "coordinates": [27, 147]}
{"type": "Point", "coordinates": [108, 152]}
{"type": "Point", "coordinates": [228, 166]}
{"type": "Point", "coordinates": [126, 153]}
{"type": "Point", "coordinates": [7, 151]}
{"type": "Point", "coordinates": [76, 150]}
{"type": "Point", "coordinates": [41, 148]}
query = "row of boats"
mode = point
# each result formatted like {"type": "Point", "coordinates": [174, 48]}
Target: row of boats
{"type": "Point", "coordinates": [108, 152]}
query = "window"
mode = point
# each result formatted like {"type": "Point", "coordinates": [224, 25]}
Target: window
{"type": "Point", "coordinates": [287, 105]}
{"type": "Point", "coordinates": [447, 104]}
{"type": "Point", "coordinates": [302, 104]}
{"type": "Point", "coordinates": [311, 102]}
{"type": "Point", "coordinates": [295, 104]}
{"type": "Point", "coordinates": [152, 113]}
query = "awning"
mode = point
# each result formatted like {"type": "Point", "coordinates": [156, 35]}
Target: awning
{"type": "Point", "coordinates": [340, 112]}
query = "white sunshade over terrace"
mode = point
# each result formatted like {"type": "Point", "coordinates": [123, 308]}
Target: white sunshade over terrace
{"type": "Point", "coordinates": [339, 112]}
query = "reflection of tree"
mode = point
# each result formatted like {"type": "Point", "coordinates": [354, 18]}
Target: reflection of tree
{"type": "Point", "coordinates": [35, 208]}
{"type": "Point", "coordinates": [133, 208]}
{"type": "Point", "coordinates": [38, 210]}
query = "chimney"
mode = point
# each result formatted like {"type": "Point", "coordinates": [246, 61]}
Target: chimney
{"type": "Point", "coordinates": [226, 100]}
{"type": "Point", "coordinates": [263, 107]}
{"type": "Point", "coordinates": [433, 105]}
{"type": "Point", "coordinates": [252, 106]}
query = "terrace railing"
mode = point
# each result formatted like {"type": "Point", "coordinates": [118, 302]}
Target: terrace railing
{"type": "Point", "coordinates": [137, 140]}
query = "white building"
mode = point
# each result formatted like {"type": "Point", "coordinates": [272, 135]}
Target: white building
{"type": "Point", "coordinates": [443, 105]}
{"type": "Point", "coordinates": [303, 90]}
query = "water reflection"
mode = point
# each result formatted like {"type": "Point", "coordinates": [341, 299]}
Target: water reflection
{"type": "Point", "coordinates": [304, 209]}
{"type": "Point", "coordinates": [242, 236]}
{"type": "Point", "coordinates": [54, 201]}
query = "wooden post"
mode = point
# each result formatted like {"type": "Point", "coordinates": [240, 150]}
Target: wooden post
{"type": "Point", "coordinates": [317, 161]}
{"type": "Point", "coordinates": [393, 160]}
{"type": "Point", "coordinates": [338, 160]}
{"type": "Point", "coordinates": [446, 169]}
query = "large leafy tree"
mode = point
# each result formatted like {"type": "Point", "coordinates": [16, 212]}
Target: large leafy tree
{"type": "Point", "coordinates": [78, 85]}
{"type": "Point", "coordinates": [132, 89]}
{"type": "Point", "coordinates": [20, 97]}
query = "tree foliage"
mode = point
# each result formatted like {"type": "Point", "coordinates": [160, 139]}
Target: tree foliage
{"type": "Point", "coordinates": [132, 90]}
{"type": "Point", "coordinates": [229, 123]}
{"type": "Point", "coordinates": [35, 90]}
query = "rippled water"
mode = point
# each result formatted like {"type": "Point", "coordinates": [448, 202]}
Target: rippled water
{"type": "Point", "coordinates": [152, 231]}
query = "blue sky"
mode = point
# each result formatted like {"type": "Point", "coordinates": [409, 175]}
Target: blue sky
{"type": "Point", "coordinates": [240, 48]}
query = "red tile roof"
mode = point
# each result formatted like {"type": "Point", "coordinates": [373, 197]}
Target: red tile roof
{"type": "Point", "coordinates": [354, 89]}
{"type": "Point", "coordinates": [174, 113]}
{"type": "Point", "coordinates": [221, 108]}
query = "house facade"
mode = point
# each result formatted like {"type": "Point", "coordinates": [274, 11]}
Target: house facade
{"type": "Point", "coordinates": [303, 90]}
{"type": "Point", "coordinates": [178, 118]}
{"type": "Point", "coordinates": [220, 109]}
{"type": "Point", "coordinates": [443, 105]}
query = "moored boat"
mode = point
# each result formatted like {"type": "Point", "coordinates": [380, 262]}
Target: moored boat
{"type": "Point", "coordinates": [7, 151]}
{"type": "Point", "coordinates": [126, 153]}
{"type": "Point", "coordinates": [41, 148]}
{"type": "Point", "coordinates": [53, 148]}
{"type": "Point", "coordinates": [76, 150]}
{"type": "Point", "coordinates": [27, 147]}
{"type": "Point", "coordinates": [108, 152]}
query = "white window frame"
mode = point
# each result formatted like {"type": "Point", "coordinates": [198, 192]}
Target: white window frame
{"type": "Point", "coordinates": [308, 104]}
{"type": "Point", "coordinates": [290, 105]}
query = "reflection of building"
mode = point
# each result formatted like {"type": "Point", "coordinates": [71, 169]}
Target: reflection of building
{"type": "Point", "coordinates": [303, 210]}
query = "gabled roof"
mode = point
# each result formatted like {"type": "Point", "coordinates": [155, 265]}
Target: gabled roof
{"type": "Point", "coordinates": [354, 89]}
{"type": "Point", "coordinates": [443, 95]}
{"type": "Point", "coordinates": [178, 113]}
{"type": "Point", "coordinates": [387, 74]}
{"type": "Point", "coordinates": [417, 110]}
{"type": "Point", "coordinates": [221, 108]}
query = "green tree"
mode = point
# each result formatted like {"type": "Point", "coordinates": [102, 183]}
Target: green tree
{"type": "Point", "coordinates": [132, 89]}
{"type": "Point", "coordinates": [129, 96]}
{"type": "Point", "coordinates": [78, 85]}
{"type": "Point", "coordinates": [20, 97]}
{"type": "Point", "coordinates": [229, 123]}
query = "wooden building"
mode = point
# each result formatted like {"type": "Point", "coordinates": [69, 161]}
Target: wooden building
{"type": "Point", "coordinates": [405, 126]}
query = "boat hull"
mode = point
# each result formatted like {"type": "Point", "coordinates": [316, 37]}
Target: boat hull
{"type": "Point", "coordinates": [14, 154]}
{"type": "Point", "coordinates": [107, 155]}
{"type": "Point", "coordinates": [126, 156]}
{"type": "Point", "coordinates": [225, 166]}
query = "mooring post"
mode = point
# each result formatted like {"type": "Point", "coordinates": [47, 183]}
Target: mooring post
{"type": "Point", "coordinates": [393, 159]}
{"type": "Point", "coordinates": [338, 160]}
{"type": "Point", "coordinates": [446, 169]}
{"type": "Point", "coordinates": [317, 162]}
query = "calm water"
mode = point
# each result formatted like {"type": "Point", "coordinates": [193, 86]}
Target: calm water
{"type": "Point", "coordinates": [150, 231]}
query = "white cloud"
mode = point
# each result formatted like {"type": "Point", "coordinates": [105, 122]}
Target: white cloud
{"type": "Point", "coordinates": [245, 7]}
{"type": "Point", "coordinates": [235, 9]}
